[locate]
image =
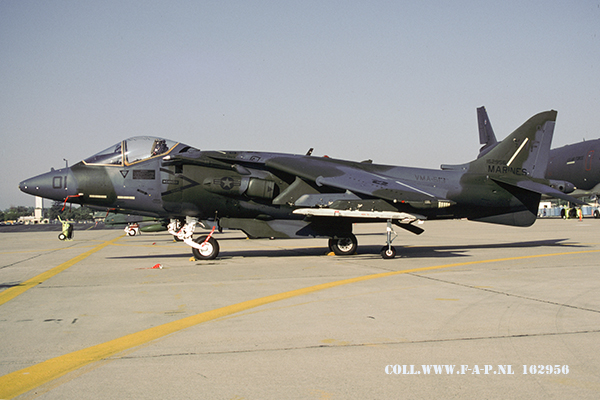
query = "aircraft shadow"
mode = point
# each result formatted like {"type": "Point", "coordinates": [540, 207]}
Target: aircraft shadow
{"type": "Point", "coordinates": [295, 252]}
{"type": "Point", "coordinates": [374, 250]}
{"type": "Point", "coordinates": [461, 250]}
{"type": "Point", "coordinates": [8, 285]}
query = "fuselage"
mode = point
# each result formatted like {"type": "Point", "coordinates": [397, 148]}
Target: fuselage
{"type": "Point", "coordinates": [578, 164]}
{"type": "Point", "coordinates": [178, 181]}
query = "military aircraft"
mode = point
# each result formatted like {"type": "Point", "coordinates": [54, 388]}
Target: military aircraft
{"type": "Point", "coordinates": [133, 223]}
{"type": "Point", "coordinates": [276, 195]}
{"type": "Point", "coordinates": [573, 169]}
{"type": "Point", "coordinates": [579, 164]}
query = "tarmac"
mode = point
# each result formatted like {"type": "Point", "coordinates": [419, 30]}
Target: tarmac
{"type": "Point", "coordinates": [466, 310]}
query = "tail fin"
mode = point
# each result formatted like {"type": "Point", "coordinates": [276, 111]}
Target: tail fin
{"type": "Point", "coordinates": [486, 134]}
{"type": "Point", "coordinates": [520, 161]}
{"type": "Point", "coordinates": [524, 153]}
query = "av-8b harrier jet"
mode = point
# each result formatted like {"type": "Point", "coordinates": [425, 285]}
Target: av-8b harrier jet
{"type": "Point", "coordinates": [276, 195]}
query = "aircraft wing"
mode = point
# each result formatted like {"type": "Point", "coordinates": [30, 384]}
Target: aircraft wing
{"type": "Point", "coordinates": [348, 176]}
{"type": "Point", "coordinates": [329, 172]}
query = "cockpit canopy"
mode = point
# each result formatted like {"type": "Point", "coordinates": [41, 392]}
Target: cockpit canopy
{"type": "Point", "coordinates": [132, 150]}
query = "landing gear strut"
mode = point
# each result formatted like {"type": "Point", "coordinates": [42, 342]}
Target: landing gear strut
{"type": "Point", "coordinates": [388, 251]}
{"type": "Point", "coordinates": [204, 247]}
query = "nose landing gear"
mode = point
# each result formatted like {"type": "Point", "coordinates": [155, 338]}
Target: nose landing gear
{"type": "Point", "coordinates": [204, 247]}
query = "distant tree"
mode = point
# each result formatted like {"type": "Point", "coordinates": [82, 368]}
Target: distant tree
{"type": "Point", "coordinates": [83, 214]}
{"type": "Point", "coordinates": [71, 212]}
{"type": "Point", "coordinates": [55, 210]}
{"type": "Point", "coordinates": [13, 213]}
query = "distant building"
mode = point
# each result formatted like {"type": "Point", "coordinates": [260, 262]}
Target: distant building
{"type": "Point", "coordinates": [38, 214]}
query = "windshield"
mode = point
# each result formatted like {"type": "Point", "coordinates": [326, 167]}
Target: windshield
{"type": "Point", "coordinates": [135, 149]}
{"type": "Point", "coordinates": [111, 156]}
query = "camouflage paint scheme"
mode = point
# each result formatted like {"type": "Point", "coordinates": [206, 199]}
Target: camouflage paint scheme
{"type": "Point", "coordinates": [277, 195]}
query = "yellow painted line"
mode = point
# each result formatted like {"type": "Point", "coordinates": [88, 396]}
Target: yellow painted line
{"type": "Point", "coordinates": [168, 244]}
{"type": "Point", "coordinates": [26, 379]}
{"type": "Point", "coordinates": [14, 291]}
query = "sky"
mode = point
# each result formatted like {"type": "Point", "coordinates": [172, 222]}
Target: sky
{"type": "Point", "coordinates": [397, 82]}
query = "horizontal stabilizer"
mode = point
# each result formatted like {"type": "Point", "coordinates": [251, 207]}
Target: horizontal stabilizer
{"type": "Point", "coordinates": [540, 188]}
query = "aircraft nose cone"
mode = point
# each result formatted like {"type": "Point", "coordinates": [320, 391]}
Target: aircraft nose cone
{"type": "Point", "coordinates": [34, 185]}
{"type": "Point", "coordinates": [54, 185]}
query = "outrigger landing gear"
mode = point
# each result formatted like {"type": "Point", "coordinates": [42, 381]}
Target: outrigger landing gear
{"type": "Point", "coordinates": [204, 247]}
{"type": "Point", "coordinates": [388, 251]}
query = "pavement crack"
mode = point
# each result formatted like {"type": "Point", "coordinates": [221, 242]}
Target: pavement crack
{"type": "Point", "coordinates": [355, 345]}
{"type": "Point", "coordinates": [500, 292]}
{"type": "Point", "coordinates": [26, 259]}
{"type": "Point", "coordinates": [36, 256]}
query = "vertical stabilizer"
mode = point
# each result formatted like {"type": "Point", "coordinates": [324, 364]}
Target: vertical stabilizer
{"type": "Point", "coordinates": [515, 169]}
{"type": "Point", "coordinates": [524, 153]}
{"type": "Point", "coordinates": [486, 133]}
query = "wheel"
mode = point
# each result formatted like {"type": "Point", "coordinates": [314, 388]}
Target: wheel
{"type": "Point", "coordinates": [62, 236]}
{"type": "Point", "coordinates": [387, 253]}
{"type": "Point", "coordinates": [343, 245]}
{"type": "Point", "coordinates": [209, 250]}
{"type": "Point", "coordinates": [596, 214]}
{"type": "Point", "coordinates": [573, 213]}
{"type": "Point", "coordinates": [131, 232]}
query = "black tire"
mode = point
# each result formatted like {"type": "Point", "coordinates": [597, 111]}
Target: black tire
{"type": "Point", "coordinates": [209, 251]}
{"type": "Point", "coordinates": [131, 232]}
{"type": "Point", "coordinates": [387, 253]}
{"type": "Point", "coordinates": [62, 236]}
{"type": "Point", "coordinates": [573, 213]}
{"type": "Point", "coordinates": [596, 214]}
{"type": "Point", "coordinates": [343, 245]}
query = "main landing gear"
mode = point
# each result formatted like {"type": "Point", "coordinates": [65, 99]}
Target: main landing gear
{"type": "Point", "coordinates": [346, 244]}
{"type": "Point", "coordinates": [343, 245]}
